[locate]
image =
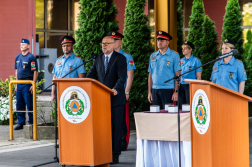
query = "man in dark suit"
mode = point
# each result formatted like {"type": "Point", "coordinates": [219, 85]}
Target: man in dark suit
{"type": "Point", "coordinates": [110, 68]}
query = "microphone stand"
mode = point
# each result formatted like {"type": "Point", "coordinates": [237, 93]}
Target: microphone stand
{"type": "Point", "coordinates": [56, 159]}
{"type": "Point", "coordinates": [177, 78]}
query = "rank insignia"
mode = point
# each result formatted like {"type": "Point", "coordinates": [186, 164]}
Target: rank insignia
{"type": "Point", "coordinates": [190, 68]}
{"type": "Point", "coordinates": [231, 75]}
{"type": "Point", "coordinates": [71, 68]}
{"type": "Point", "coordinates": [216, 68]}
{"type": "Point", "coordinates": [33, 68]}
{"type": "Point", "coordinates": [33, 64]}
{"type": "Point", "coordinates": [153, 58]}
{"type": "Point", "coordinates": [168, 63]}
{"type": "Point", "coordinates": [59, 63]}
{"type": "Point", "coordinates": [131, 63]}
{"type": "Point", "coordinates": [23, 66]}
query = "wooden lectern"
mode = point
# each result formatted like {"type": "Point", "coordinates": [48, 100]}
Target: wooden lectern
{"type": "Point", "coordinates": [226, 142]}
{"type": "Point", "coordinates": [88, 143]}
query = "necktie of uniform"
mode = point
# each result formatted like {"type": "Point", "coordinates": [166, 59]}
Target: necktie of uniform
{"type": "Point", "coordinates": [106, 63]}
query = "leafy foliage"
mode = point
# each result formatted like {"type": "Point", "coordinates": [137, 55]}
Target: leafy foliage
{"type": "Point", "coordinates": [195, 23]}
{"type": "Point", "coordinates": [209, 46]}
{"type": "Point", "coordinates": [232, 26]}
{"type": "Point", "coordinates": [180, 37]}
{"type": "Point", "coordinates": [248, 84]}
{"type": "Point", "coordinates": [248, 44]}
{"type": "Point", "coordinates": [96, 19]}
{"type": "Point", "coordinates": [136, 41]}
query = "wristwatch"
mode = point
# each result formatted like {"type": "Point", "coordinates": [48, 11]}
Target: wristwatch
{"type": "Point", "coordinates": [176, 91]}
{"type": "Point", "coordinates": [127, 93]}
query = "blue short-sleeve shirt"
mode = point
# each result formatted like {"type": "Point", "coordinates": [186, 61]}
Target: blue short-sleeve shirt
{"type": "Point", "coordinates": [230, 74]}
{"type": "Point", "coordinates": [25, 65]}
{"type": "Point", "coordinates": [65, 65]}
{"type": "Point", "coordinates": [130, 63]}
{"type": "Point", "coordinates": [187, 65]}
{"type": "Point", "coordinates": [163, 67]}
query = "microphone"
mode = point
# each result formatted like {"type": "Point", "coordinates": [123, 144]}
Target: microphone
{"type": "Point", "coordinates": [233, 52]}
{"type": "Point", "coordinates": [94, 56]}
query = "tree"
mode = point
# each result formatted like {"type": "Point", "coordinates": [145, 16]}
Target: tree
{"type": "Point", "coordinates": [180, 37]}
{"type": "Point", "coordinates": [248, 83]}
{"type": "Point", "coordinates": [195, 23]}
{"type": "Point", "coordinates": [136, 41]}
{"type": "Point", "coordinates": [232, 26]}
{"type": "Point", "coordinates": [96, 19]}
{"type": "Point", "coordinates": [248, 44]}
{"type": "Point", "coordinates": [209, 47]}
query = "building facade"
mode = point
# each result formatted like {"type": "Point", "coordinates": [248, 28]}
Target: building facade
{"type": "Point", "coordinates": [50, 19]}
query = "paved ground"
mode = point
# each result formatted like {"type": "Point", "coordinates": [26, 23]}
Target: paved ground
{"type": "Point", "coordinates": [26, 153]}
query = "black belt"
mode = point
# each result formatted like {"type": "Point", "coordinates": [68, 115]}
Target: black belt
{"type": "Point", "coordinates": [29, 78]}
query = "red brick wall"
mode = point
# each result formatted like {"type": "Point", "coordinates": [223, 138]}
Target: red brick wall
{"type": "Point", "coordinates": [17, 22]}
{"type": "Point", "coordinates": [121, 5]}
{"type": "Point", "coordinates": [215, 9]}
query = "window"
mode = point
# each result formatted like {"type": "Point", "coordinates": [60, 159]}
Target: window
{"type": "Point", "coordinates": [55, 18]}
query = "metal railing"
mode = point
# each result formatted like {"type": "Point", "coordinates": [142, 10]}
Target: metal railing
{"type": "Point", "coordinates": [34, 106]}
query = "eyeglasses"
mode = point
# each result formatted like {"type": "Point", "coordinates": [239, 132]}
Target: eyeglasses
{"type": "Point", "coordinates": [63, 46]}
{"type": "Point", "coordinates": [106, 44]}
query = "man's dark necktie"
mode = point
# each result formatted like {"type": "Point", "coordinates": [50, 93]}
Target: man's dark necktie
{"type": "Point", "coordinates": [106, 63]}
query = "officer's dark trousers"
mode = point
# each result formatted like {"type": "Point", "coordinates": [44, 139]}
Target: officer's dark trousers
{"type": "Point", "coordinates": [117, 115]}
{"type": "Point", "coordinates": [24, 97]}
{"type": "Point", "coordinates": [184, 95]}
{"type": "Point", "coordinates": [161, 97]}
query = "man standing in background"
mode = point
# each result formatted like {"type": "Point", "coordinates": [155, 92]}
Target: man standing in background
{"type": "Point", "coordinates": [127, 86]}
{"type": "Point", "coordinates": [26, 69]}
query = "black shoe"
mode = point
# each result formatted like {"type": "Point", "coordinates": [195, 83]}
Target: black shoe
{"type": "Point", "coordinates": [115, 161]}
{"type": "Point", "coordinates": [124, 149]}
{"type": "Point", "coordinates": [19, 126]}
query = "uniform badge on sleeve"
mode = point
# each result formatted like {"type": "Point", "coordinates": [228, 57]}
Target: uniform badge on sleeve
{"type": "Point", "coordinates": [168, 63]}
{"type": "Point", "coordinates": [181, 63]}
{"type": "Point", "coordinates": [131, 63]}
{"type": "Point", "coordinates": [231, 75]}
{"type": "Point", "coordinates": [33, 64]}
{"type": "Point", "coordinates": [23, 66]}
{"type": "Point", "coordinates": [59, 63]}
{"type": "Point", "coordinates": [245, 73]}
{"type": "Point", "coordinates": [153, 58]}
{"type": "Point", "coordinates": [216, 68]}
{"type": "Point", "coordinates": [71, 68]}
{"type": "Point", "coordinates": [190, 68]}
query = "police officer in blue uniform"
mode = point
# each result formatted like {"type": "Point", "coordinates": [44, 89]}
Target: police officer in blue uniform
{"type": "Point", "coordinates": [163, 65]}
{"type": "Point", "coordinates": [229, 72]}
{"type": "Point", "coordinates": [127, 86]}
{"type": "Point", "coordinates": [26, 69]}
{"type": "Point", "coordinates": [67, 62]}
{"type": "Point", "coordinates": [188, 63]}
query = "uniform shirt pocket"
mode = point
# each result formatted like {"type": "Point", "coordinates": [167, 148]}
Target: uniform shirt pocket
{"type": "Point", "coordinates": [231, 73]}
{"type": "Point", "coordinates": [153, 63]}
{"type": "Point", "coordinates": [167, 64]}
{"type": "Point", "coordinates": [215, 75]}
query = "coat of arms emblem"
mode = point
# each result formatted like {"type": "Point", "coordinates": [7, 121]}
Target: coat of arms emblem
{"type": "Point", "coordinates": [200, 112]}
{"type": "Point", "coordinates": [74, 106]}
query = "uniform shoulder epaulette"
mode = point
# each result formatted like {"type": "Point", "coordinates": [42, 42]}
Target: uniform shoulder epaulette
{"type": "Point", "coordinates": [197, 58]}
{"type": "Point", "coordinates": [78, 57]}
{"type": "Point", "coordinates": [127, 53]}
{"type": "Point", "coordinates": [175, 51]}
{"type": "Point", "coordinates": [239, 60]}
{"type": "Point", "coordinates": [58, 58]}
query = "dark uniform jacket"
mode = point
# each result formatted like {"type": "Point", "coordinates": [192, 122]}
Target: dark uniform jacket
{"type": "Point", "coordinates": [115, 76]}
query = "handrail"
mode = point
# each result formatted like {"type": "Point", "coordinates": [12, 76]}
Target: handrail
{"type": "Point", "coordinates": [34, 106]}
